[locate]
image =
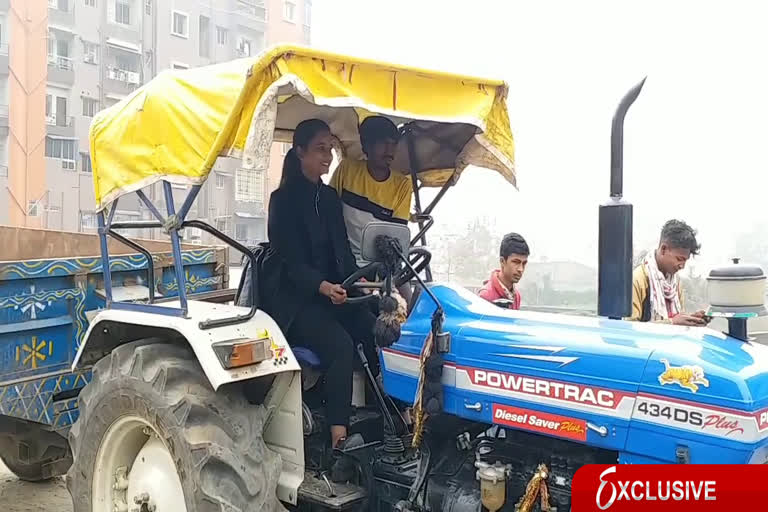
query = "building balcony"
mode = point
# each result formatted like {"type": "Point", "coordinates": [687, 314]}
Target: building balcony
{"type": "Point", "coordinates": [253, 9]}
{"type": "Point", "coordinates": [251, 14]}
{"type": "Point", "coordinates": [4, 59]}
{"type": "Point", "coordinates": [61, 13]}
{"type": "Point", "coordinates": [4, 117]}
{"type": "Point", "coordinates": [60, 69]}
{"type": "Point", "coordinates": [121, 81]}
{"type": "Point", "coordinates": [60, 126]}
{"type": "Point", "coordinates": [122, 75]}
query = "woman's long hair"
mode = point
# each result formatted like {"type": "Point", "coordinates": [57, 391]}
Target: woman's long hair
{"type": "Point", "coordinates": [303, 134]}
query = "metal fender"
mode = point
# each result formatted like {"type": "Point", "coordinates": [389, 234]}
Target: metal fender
{"type": "Point", "coordinates": [111, 325]}
{"type": "Point", "coordinates": [283, 431]}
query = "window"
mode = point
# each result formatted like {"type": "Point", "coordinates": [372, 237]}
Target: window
{"type": "Point", "coordinates": [289, 11]}
{"type": "Point", "coordinates": [241, 232]}
{"type": "Point", "coordinates": [90, 3]}
{"type": "Point", "coordinates": [123, 12]}
{"type": "Point", "coordinates": [90, 107]}
{"type": "Point", "coordinates": [285, 147]}
{"type": "Point", "coordinates": [88, 221]}
{"type": "Point", "coordinates": [180, 24]}
{"type": "Point", "coordinates": [85, 159]}
{"type": "Point", "coordinates": [62, 48]}
{"type": "Point", "coordinates": [221, 225]}
{"type": "Point", "coordinates": [62, 5]}
{"type": "Point", "coordinates": [249, 186]}
{"type": "Point", "coordinates": [307, 13]}
{"type": "Point", "coordinates": [127, 63]}
{"type": "Point", "coordinates": [62, 149]}
{"type": "Point", "coordinates": [205, 39]}
{"type": "Point", "coordinates": [219, 180]}
{"type": "Point", "coordinates": [243, 47]}
{"type": "Point", "coordinates": [32, 209]}
{"type": "Point", "coordinates": [148, 7]}
{"type": "Point", "coordinates": [221, 36]}
{"type": "Point", "coordinates": [56, 110]}
{"type": "Point", "coordinates": [90, 52]}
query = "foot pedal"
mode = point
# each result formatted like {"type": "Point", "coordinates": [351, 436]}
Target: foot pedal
{"type": "Point", "coordinates": [320, 490]}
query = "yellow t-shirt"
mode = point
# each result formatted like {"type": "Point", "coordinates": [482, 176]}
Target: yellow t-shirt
{"type": "Point", "coordinates": [364, 199]}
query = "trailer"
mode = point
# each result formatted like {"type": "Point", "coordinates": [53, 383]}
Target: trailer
{"type": "Point", "coordinates": [51, 286]}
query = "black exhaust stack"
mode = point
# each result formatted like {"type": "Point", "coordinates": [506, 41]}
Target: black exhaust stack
{"type": "Point", "coordinates": [614, 286]}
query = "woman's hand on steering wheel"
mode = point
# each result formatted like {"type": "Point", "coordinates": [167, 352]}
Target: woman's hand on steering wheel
{"type": "Point", "coordinates": [358, 283]}
{"type": "Point", "coordinates": [335, 292]}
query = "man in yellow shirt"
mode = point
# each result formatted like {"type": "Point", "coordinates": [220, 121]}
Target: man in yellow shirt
{"type": "Point", "coordinates": [370, 189]}
{"type": "Point", "coordinates": [657, 294]}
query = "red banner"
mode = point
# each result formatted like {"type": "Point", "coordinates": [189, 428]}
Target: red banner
{"type": "Point", "coordinates": [700, 488]}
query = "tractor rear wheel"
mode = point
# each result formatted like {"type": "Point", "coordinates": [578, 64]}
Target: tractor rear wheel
{"type": "Point", "coordinates": [153, 435]}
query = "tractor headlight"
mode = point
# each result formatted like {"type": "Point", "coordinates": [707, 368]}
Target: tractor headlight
{"type": "Point", "coordinates": [242, 352]}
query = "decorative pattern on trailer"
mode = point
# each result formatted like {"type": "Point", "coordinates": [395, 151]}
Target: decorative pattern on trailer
{"type": "Point", "coordinates": [32, 305]}
{"type": "Point", "coordinates": [66, 267]}
{"type": "Point", "coordinates": [33, 400]}
{"type": "Point", "coordinates": [194, 283]}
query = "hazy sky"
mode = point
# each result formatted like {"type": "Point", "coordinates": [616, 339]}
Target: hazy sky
{"type": "Point", "coordinates": [694, 139]}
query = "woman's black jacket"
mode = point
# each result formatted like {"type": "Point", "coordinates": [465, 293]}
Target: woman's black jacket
{"type": "Point", "coordinates": [308, 245]}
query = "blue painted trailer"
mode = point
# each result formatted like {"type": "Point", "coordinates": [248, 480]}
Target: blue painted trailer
{"type": "Point", "coordinates": [51, 284]}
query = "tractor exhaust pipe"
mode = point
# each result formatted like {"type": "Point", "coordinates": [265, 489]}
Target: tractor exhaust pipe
{"type": "Point", "coordinates": [614, 287]}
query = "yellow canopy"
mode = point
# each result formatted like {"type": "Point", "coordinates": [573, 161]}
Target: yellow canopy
{"type": "Point", "coordinates": [176, 126]}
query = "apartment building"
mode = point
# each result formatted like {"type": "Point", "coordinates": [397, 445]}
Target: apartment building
{"type": "Point", "coordinates": [98, 52]}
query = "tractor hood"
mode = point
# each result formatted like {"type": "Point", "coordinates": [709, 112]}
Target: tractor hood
{"type": "Point", "coordinates": [591, 368]}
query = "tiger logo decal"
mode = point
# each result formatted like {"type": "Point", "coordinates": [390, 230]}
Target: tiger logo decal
{"type": "Point", "coordinates": [688, 376]}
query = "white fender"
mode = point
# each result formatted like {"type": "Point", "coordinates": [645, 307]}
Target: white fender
{"type": "Point", "coordinates": [283, 430]}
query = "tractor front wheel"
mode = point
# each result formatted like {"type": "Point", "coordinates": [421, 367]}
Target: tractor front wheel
{"type": "Point", "coordinates": [153, 436]}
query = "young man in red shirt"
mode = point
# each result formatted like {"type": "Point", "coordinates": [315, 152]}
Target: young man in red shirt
{"type": "Point", "coordinates": [513, 257]}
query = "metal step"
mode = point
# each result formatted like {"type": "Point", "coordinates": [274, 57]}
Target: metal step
{"type": "Point", "coordinates": [335, 496]}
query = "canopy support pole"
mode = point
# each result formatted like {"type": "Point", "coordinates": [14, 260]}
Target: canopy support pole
{"type": "Point", "coordinates": [173, 232]}
{"type": "Point", "coordinates": [415, 167]}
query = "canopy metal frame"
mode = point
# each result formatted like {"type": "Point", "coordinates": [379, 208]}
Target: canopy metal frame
{"type": "Point", "coordinates": [171, 223]}
{"type": "Point", "coordinates": [175, 221]}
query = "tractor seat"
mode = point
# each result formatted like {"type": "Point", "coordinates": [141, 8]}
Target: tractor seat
{"type": "Point", "coordinates": [306, 358]}
{"type": "Point", "coordinates": [310, 361]}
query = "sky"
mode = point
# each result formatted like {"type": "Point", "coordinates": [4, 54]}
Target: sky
{"type": "Point", "coordinates": [694, 139]}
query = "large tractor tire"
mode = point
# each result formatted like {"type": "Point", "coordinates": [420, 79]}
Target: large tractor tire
{"type": "Point", "coordinates": [153, 436]}
{"type": "Point", "coordinates": [34, 454]}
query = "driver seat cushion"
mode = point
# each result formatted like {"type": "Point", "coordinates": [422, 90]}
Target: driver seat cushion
{"type": "Point", "coordinates": [306, 357]}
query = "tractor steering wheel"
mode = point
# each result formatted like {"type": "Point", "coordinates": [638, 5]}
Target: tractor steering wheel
{"type": "Point", "coordinates": [353, 283]}
{"type": "Point", "coordinates": [419, 258]}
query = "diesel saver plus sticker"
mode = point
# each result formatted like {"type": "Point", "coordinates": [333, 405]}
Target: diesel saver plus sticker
{"type": "Point", "coordinates": [541, 422]}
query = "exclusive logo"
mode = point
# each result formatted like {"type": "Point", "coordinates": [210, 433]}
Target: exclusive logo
{"type": "Point", "coordinates": [603, 483]}
{"type": "Point", "coordinates": [661, 490]}
{"type": "Point", "coordinates": [688, 377]}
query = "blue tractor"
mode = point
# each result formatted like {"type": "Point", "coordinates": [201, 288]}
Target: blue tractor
{"type": "Point", "coordinates": [197, 407]}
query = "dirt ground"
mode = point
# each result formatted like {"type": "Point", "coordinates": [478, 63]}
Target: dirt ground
{"type": "Point", "coordinates": [18, 496]}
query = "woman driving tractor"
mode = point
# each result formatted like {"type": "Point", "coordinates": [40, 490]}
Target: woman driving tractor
{"type": "Point", "coordinates": [307, 231]}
